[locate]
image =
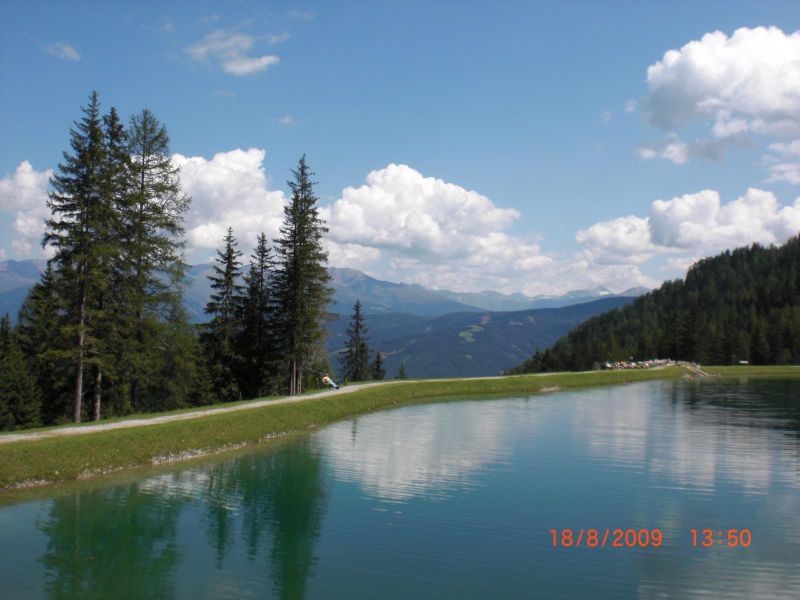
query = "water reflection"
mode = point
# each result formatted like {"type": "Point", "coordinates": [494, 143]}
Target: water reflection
{"type": "Point", "coordinates": [125, 537]}
{"type": "Point", "coordinates": [430, 451]}
{"type": "Point", "coordinates": [109, 540]}
{"type": "Point", "coordinates": [346, 510]}
{"type": "Point", "coordinates": [708, 434]}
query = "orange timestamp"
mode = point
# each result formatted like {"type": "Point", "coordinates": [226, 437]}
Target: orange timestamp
{"type": "Point", "coordinates": [607, 538]}
{"type": "Point", "coordinates": [730, 538]}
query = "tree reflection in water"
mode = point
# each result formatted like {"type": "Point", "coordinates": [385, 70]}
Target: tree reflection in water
{"type": "Point", "coordinates": [110, 543]}
{"type": "Point", "coordinates": [279, 499]}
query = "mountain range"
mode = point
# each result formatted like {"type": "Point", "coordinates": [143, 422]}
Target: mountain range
{"type": "Point", "coordinates": [433, 333]}
{"type": "Point", "coordinates": [465, 344]}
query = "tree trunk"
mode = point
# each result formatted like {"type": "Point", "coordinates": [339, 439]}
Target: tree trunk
{"type": "Point", "coordinates": [98, 381]}
{"type": "Point", "coordinates": [76, 400]}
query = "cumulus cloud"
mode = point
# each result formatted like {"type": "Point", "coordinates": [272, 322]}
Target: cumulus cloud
{"type": "Point", "coordinates": [231, 50]}
{"type": "Point", "coordinates": [230, 189]}
{"type": "Point", "coordinates": [442, 235]}
{"type": "Point", "coordinates": [63, 50]}
{"type": "Point", "coordinates": [694, 225]}
{"type": "Point", "coordinates": [745, 84]}
{"type": "Point", "coordinates": [750, 79]}
{"type": "Point", "coordinates": [630, 105]}
{"type": "Point", "coordinates": [624, 240]}
{"type": "Point", "coordinates": [287, 120]}
{"type": "Point", "coordinates": [24, 195]}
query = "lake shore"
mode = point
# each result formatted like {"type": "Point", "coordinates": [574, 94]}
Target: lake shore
{"type": "Point", "coordinates": [50, 455]}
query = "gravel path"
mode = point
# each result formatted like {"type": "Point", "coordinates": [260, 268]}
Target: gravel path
{"type": "Point", "coordinates": [84, 429]}
{"type": "Point", "coordinates": [197, 414]}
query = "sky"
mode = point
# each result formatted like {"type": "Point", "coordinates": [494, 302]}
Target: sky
{"type": "Point", "coordinates": [534, 147]}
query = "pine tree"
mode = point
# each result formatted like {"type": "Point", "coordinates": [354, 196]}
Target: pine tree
{"type": "Point", "coordinates": [151, 265]}
{"type": "Point", "coordinates": [301, 290]}
{"type": "Point", "coordinates": [378, 371]}
{"type": "Point", "coordinates": [256, 317]}
{"type": "Point", "coordinates": [38, 334]}
{"type": "Point", "coordinates": [80, 231]}
{"type": "Point", "coordinates": [20, 401]}
{"type": "Point", "coordinates": [219, 338]}
{"type": "Point", "coordinates": [356, 357]}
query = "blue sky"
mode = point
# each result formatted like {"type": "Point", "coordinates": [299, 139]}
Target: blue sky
{"type": "Point", "coordinates": [464, 145]}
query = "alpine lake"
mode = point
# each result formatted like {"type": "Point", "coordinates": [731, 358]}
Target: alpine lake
{"type": "Point", "coordinates": [470, 498]}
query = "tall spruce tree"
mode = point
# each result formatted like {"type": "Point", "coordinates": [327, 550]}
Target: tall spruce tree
{"type": "Point", "coordinates": [219, 337]}
{"type": "Point", "coordinates": [80, 231]}
{"type": "Point", "coordinates": [256, 318]}
{"type": "Point", "coordinates": [39, 336]}
{"type": "Point", "coordinates": [151, 264]}
{"type": "Point", "coordinates": [356, 356]}
{"type": "Point", "coordinates": [20, 401]}
{"type": "Point", "coordinates": [301, 290]}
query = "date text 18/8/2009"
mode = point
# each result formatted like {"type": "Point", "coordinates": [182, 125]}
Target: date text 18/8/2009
{"type": "Point", "coordinates": [645, 538]}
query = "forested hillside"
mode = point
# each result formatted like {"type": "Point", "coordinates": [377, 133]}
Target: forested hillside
{"type": "Point", "coordinates": [740, 305]}
{"type": "Point", "coordinates": [465, 344]}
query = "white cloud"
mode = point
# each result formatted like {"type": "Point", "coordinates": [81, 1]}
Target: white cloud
{"type": "Point", "coordinates": [789, 172]}
{"type": "Point", "coordinates": [739, 86]}
{"type": "Point", "coordinates": [779, 167]}
{"type": "Point", "coordinates": [24, 195]}
{"type": "Point", "coordinates": [167, 26]}
{"type": "Point", "coordinates": [246, 65]}
{"type": "Point", "coordinates": [63, 50]}
{"type": "Point", "coordinates": [753, 77]}
{"type": "Point", "coordinates": [676, 151]}
{"type": "Point", "coordinates": [224, 93]}
{"type": "Point", "coordinates": [623, 240]}
{"type": "Point", "coordinates": [278, 38]}
{"type": "Point", "coordinates": [287, 120]}
{"type": "Point", "coordinates": [230, 189]}
{"type": "Point", "coordinates": [630, 105]}
{"type": "Point", "coordinates": [694, 224]}
{"type": "Point", "coordinates": [442, 235]}
{"type": "Point", "coordinates": [678, 265]}
{"type": "Point", "coordinates": [230, 49]}
{"type": "Point", "coordinates": [646, 152]}
{"type": "Point", "coordinates": [606, 116]}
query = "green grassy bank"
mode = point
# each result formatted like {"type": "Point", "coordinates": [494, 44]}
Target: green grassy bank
{"type": "Point", "coordinates": [74, 457]}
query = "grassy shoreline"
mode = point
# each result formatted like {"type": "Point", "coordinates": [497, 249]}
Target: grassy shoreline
{"type": "Point", "coordinates": [37, 462]}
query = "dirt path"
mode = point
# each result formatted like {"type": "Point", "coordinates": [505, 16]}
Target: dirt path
{"type": "Point", "coordinates": [84, 429]}
{"type": "Point", "coordinates": [197, 414]}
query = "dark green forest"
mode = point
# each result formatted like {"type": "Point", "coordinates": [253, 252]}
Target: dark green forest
{"type": "Point", "coordinates": [104, 332]}
{"type": "Point", "coordinates": [741, 305]}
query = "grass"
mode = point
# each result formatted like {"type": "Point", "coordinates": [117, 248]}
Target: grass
{"type": "Point", "coordinates": [67, 458]}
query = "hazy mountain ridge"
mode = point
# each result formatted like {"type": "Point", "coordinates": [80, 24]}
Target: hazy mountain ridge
{"type": "Point", "coordinates": [433, 335]}
{"type": "Point", "coordinates": [466, 344]}
{"type": "Point", "coordinates": [376, 296]}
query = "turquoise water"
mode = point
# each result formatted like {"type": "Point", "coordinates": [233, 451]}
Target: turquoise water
{"type": "Point", "coordinates": [452, 500]}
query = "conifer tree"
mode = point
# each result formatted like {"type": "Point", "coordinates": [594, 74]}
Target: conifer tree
{"type": "Point", "coordinates": [38, 334]}
{"type": "Point", "coordinates": [356, 357]}
{"type": "Point", "coordinates": [301, 290]}
{"type": "Point", "coordinates": [256, 317]}
{"type": "Point", "coordinates": [151, 267]}
{"type": "Point", "coordinates": [401, 373]}
{"type": "Point", "coordinates": [80, 231]}
{"type": "Point", "coordinates": [378, 371]}
{"type": "Point", "coordinates": [20, 401]}
{"type": "Point", "coordinates": [219, 338]}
